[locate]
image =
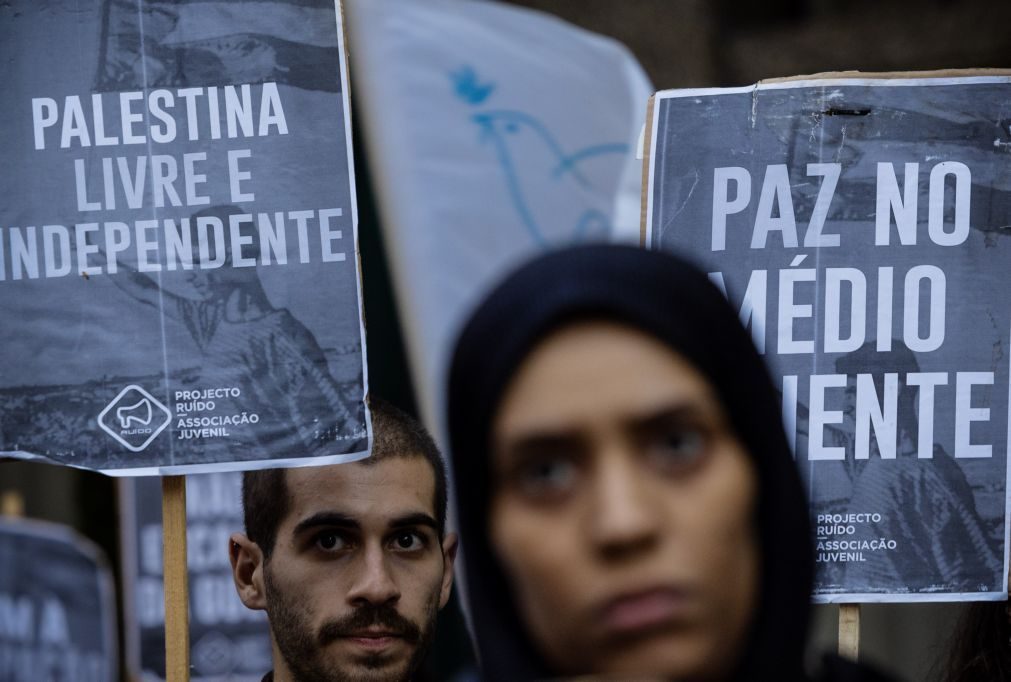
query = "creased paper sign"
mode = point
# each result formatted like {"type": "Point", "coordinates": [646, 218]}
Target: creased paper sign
{"type": "Point", "coordinates": [178, 250]}
{"type": "Point", "coordinates": [861, 228]}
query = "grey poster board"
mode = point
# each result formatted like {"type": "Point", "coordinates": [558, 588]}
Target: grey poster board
{"type": "Point", "coordinates": [57, 606]}
{"type": "Point", "coordinates": [178, 237]}
{"type": "Point", "coordinates": [228, 642]}
{"type": "Point", "coordinates": [861, 228]}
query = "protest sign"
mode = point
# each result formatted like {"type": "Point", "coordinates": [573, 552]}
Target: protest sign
{"type": "Point", "coordinates": [57, 606]}
{"type": "Point", "coordinates": [229, 643]}
{"type": "Point", "coordinates": [494, 132]}
{"type": "Point", "coordinates": [178, 237]}
{"type": "Point", "coordinates": [860, 226]}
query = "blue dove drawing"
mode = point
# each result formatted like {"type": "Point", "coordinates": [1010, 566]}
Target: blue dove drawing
{"type": "Point", "coordinates": [469, 87]}
{"type": "Point", "coordinates": [559, 195]}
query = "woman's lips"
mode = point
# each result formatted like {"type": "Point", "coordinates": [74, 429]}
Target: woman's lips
{"type": "Point", "coordinates": [632, 613]}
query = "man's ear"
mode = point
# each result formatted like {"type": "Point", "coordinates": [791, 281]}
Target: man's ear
{"type": "Point", "coordinates": [450, 543]}
{"type": "Point", "coordinates": [247, 571]}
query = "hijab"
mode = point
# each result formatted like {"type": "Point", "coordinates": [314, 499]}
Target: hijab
{"type": "Point", "coordinates": [664, 296]}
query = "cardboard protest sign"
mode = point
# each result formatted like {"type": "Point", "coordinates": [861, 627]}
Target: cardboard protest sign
{"type": "Point", "coordinates": [178, 246]}
{"type": "Point", "coordinates": [57, 606]}
{"type": "Point", "coordinates": [860, 226]}
{"type": "Point", "coordinates": [228, 642]}
{"type": "Point", "coordinates": [494, 132]}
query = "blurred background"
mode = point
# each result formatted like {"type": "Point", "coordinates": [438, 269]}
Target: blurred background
{"type": "Point", "coordinates": [692, 43]}
{"type": "Point", "coordinates": [680, 43]}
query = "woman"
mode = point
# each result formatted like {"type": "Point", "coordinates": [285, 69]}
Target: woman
{"type": "Point", "coordinates": [628, 504]}
{"type": "Point", "coordinates": [980, 649]}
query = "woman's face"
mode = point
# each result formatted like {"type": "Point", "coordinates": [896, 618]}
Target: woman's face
{"type": "Point", "coordinates": [622, 508]}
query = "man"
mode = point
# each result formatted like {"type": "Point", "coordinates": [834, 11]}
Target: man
{"type": "Point", "coordinates": [351, 562]}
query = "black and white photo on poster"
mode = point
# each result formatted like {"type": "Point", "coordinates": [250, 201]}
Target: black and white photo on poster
{"type": "Point", "coordinates": [860, 226]}
{"type": "Point", "coordinates": [178, 237]}
{"type": "Point", "coordinates": [57, 606]}
{"type": "Point", "coordinates": [228, 642]}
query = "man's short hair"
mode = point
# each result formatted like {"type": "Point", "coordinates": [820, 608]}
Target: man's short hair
{"type": "Point", "coordinates": [265, 500]}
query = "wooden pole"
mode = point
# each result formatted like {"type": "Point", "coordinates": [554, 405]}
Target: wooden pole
{"type": "Point", "coordinates": [12, 503]}
{"type": "Point", "coordinates": [647, 142]}
{"type": "Point", "coordinates": [849, 631]}
{"type": "Point", "coordinates": [177, 602]}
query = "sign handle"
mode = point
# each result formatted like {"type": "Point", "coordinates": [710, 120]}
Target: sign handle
{"type": "Point", "coordinates": [177, 599]}
{"type": "Point", "coordinates": [12, 504]}
{"type": "Point", "coordinates": [849, 631]}
{"type": "Point", "coordinates": [647, 143]}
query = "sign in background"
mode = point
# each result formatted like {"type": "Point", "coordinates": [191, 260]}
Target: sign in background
{"type": "Point", "coordinates": [178, 248]}
{"type": "Point", "coordinates": [228, 642]}
{"type": "Point", "coordinates": [57, 606]}
{"type": "Point", "coordinates": [860, 227]}
{"type": "Point", "coordinates": [494, 132]}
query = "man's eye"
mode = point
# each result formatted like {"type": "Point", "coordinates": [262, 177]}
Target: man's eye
{"type": "Point", "coordinates": [408, 541]}
{"type": "Point", "coordinates": [330, 541]}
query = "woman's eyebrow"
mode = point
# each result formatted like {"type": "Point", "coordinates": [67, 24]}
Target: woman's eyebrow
{"type": "Point", "coordinates": [676, 414]}
{"type": "Point", "coordinates": [541, 442]}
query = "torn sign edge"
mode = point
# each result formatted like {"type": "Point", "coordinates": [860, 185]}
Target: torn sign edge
{"type": "Point", "coordinates": [828, 78]}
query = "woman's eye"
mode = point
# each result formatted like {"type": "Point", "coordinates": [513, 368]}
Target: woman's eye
{"type": "Point", "coordinates": [330, 542]}
{"type": "Point", "coordinates": [675, 449]}
{"type": "Point", "coordinates": [547, 477]}
{"type": "Point", "coordinates": [408, 542]}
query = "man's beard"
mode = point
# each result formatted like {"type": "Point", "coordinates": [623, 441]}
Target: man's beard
{"type": "Point", "coordinates": [302, 649]}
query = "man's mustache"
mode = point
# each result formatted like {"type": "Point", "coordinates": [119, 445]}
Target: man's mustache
{"type": "Point", "coordinates": [370, 616]}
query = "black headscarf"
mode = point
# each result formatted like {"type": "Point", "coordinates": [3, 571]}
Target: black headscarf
{"type": "Point", "coordinates": [669, 299]}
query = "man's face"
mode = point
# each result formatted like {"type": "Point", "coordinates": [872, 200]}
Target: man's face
{"type": "Point", "coordinates": [622, 509]}
{"type": "Point", "coordinates": [358, 572]}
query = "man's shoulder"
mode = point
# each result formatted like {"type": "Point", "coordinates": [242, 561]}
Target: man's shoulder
{"type": "Point", "coordinates": [269, 677]}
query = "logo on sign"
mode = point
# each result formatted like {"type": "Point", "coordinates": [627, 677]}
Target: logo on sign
{"type": "Point", "coordinates": [134, 418]}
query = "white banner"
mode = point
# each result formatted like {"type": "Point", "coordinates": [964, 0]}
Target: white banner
{"type": "Point", "coordinates": [494, 133]}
